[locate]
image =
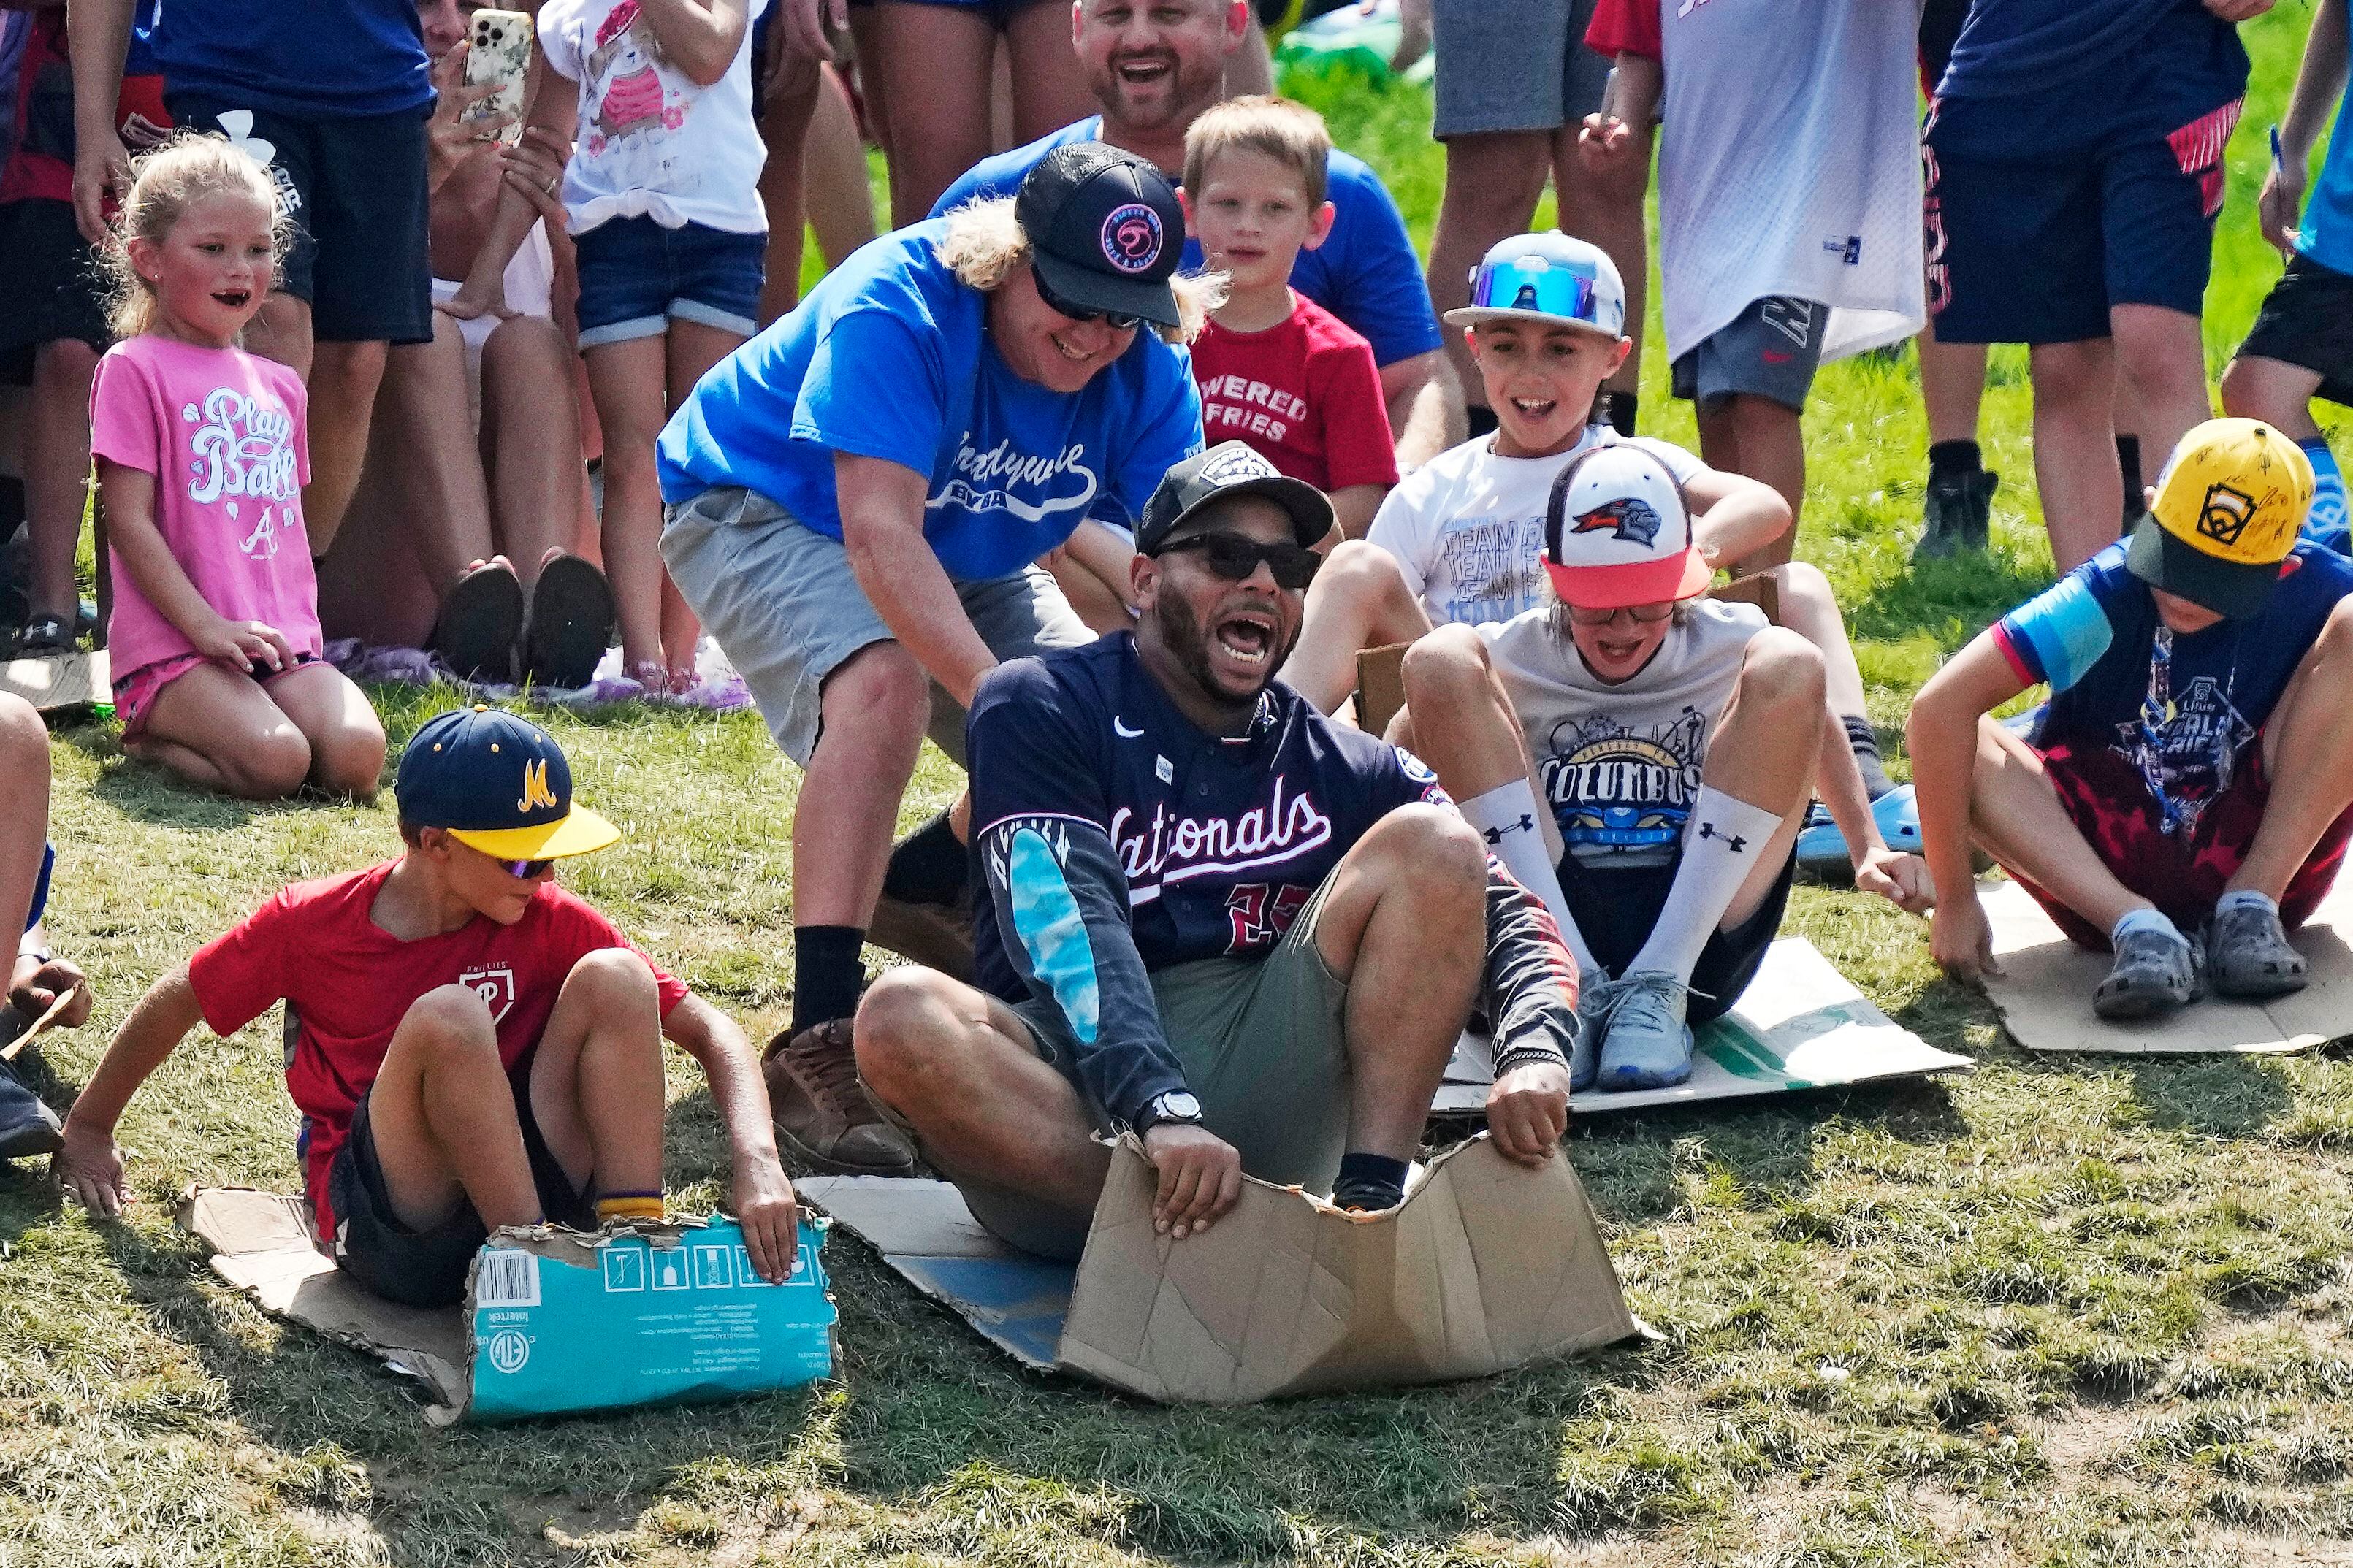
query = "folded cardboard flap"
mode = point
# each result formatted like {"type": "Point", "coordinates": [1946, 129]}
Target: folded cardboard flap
{"type": "Point", "coordinates": [2045, 991]}
{"type": "Point", "coordinates": [1380, 686]}
{"type": "Point", "coordinates": [554, 1321]}
{"type": "Point", "coordinates": [1486, 1265]}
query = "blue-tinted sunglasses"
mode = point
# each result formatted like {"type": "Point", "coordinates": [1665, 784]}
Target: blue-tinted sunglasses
{"type": "Point", "coordinates": [1533, 283]}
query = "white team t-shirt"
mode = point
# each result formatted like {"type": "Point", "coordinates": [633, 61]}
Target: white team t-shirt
{"type": "Point", "coordinates": [1619, 765]}
{"type": "Point", "coordinates": [651, 143]}
{"type": "Point", "coordinates": [1789, 164]}
{"type": "Point", "coordinates": [1467, 527]}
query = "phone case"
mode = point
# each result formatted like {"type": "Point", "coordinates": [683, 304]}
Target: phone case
{"type": "Point", "coordinates": [499, 54]}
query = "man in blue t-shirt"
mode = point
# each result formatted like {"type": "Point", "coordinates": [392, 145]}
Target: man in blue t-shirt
{"type": "Point", "coordinates": [331, 97]}
{"type": "Point", "coordinates": [2075, 170]}
{"type": "Point", "coordinates": [1213, 917]}
{"type": "Point", "coordinates": [854, 499]}
{"type": "Point", "coordinates": [2187, 794]}
{"type": "Point", "coordinates": [2301, 346]}
{"type": "Point", "coordinates": [1154, 68]}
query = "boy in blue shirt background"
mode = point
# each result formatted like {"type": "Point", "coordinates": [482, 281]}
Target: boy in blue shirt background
{"type": "Point", "coordinates": [2301, 346]}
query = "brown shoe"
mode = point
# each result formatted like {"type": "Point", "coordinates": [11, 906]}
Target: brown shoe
{"type": "Point", "coordinates": [937, 936]}
{"type": "Point", "coordinates": [824, 1117]}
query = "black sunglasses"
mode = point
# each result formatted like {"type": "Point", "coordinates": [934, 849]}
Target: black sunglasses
{"type": "Point", "coordinates": [1236, 559]}
{"type": "Point", "coordinates": [1117, 320]}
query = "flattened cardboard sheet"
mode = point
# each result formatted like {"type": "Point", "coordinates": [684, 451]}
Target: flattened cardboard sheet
{"type": "Point", "coordinates": [59, 680]}
{"type": "Point", "coordinates": [554, 1321]}
{"type": "Point", "coordinates": [2044, 991]}
{"type": "Point", "coordinates": [1486, 1266]}
{"type": "Point", "coordinates": [1800, 1025]}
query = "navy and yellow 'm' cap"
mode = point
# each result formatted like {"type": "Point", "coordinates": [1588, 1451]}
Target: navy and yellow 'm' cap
{"type": "Point", "coordinates": [497, 782]}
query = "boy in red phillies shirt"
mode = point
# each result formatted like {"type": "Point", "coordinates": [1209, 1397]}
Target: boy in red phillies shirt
{"type": "Point", "coordinates": [473, 1046]}
{"type": "Point", "coordinates": [1277, 370]}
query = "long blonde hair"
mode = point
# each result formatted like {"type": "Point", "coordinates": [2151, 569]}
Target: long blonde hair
{"type": "Point", "coordinates": [985, 243]}
{"type": "Point", "coordinates": [163, 183]}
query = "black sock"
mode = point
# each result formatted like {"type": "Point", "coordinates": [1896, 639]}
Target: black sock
{"type": "Point", "coordinates": [827, 973]}
{"type": "Point", "coordinates": [1621, 408]}
{"type": "Point", "coordinates": [2128, 464]}
{"type": "Point", "coordinates": [1954, 460]}
{"type": "Point", "coordinates": [930, 868]}
{"type": "Point", "coordinates": [1865, 741]}
{"type": "Point", "coordinates": [1370, 1181]}
{"type": "Point", "coordinates": [1481, 420]}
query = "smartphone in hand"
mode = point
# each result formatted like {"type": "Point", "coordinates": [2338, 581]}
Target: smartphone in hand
{"type": "Point", "coordinates": [500, 57]}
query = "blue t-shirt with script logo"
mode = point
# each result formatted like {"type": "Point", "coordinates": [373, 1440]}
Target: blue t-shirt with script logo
{"type": "Point", "coordinates": [889, 357]}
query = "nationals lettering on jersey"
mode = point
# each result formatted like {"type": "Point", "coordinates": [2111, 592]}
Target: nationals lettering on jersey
{"type": "Point", "coordinates": [1218, 840]}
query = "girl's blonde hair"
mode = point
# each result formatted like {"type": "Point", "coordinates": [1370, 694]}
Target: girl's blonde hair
{"type": "Point", "coordinates": [163, 183]}
{"type": "Point", "coordinates": [985, 243]}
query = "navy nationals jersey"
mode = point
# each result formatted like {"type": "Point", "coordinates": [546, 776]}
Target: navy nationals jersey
{"type": "Point", "coordinates": [1115, 839]}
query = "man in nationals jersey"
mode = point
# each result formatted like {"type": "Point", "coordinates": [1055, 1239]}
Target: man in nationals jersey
{"type": "Point", "coordinates": [1248, 934]}
{"type": "Point", "coordinates": [473, 1046]}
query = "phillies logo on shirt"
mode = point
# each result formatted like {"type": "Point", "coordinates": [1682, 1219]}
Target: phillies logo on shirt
{"type": "Point", "coordinates": [1132, 239]}
{"type": "Point", "coordinates": [1173, 848]}
{"type": "Point", "coordinates": [495, 985]}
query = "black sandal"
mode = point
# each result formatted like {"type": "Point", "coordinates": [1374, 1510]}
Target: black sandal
{"type": "Point", "coordinates": [480, 624]}
{"type": "Point", "coordinates": [570, 626]}
{"type": "Point", "coordinates": [45, 635]}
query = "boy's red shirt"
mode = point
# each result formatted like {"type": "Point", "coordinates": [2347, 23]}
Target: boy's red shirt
{"type": "Point", "coordinates": [1304, 393]}
{"type": "Point", "coordinates": [347, 984]}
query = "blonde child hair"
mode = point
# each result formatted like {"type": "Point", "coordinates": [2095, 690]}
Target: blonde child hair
{"type": "Point", "coordinates": [163, 183]}
{"type": "Point", "coordinates": [986, 242]}
{"type": "Point", "coordinates": [1292, 134]}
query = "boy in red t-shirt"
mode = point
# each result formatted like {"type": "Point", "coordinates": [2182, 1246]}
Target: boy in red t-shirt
{"type": "Point", "coordinates": [1277, 370]}
{"type": "Point", "coordinates": [474, 1046]}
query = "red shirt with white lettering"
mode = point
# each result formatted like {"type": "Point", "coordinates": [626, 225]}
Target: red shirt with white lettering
{"type": "Point", "coordinates": [1304, 393]}
{"type": "Point", "coordinates": [347, 982]}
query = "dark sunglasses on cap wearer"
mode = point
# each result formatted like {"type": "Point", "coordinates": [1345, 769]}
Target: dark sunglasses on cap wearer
{"type": "Point", "coordinates": [527, 870]}
{"type": "Point", "coordinates": [1236, 559]}
{"type": "Point", "coordinates": [1116, 321]}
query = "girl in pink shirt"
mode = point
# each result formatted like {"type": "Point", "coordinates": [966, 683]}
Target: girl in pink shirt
{"type": "Point", "coordinates": [201, 455]}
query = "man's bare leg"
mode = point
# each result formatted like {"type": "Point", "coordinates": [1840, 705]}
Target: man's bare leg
{"type": "Point", "coordinates": [2075, 447]}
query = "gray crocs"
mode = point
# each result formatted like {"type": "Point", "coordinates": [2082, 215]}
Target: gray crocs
{"type": "Point", "coordinates": [2155, 971]}
{"type": "Point", "coordinates": [2248, 954]}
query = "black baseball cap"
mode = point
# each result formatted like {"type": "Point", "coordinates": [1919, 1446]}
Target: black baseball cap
{"type": "Point", "coordinates": [1104, 229]}
{"type": "Point", "coordinates": [498, 783]}
{"type": "Point", "coordinates": [1230, 468]}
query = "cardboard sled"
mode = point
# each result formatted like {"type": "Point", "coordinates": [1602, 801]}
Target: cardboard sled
{"type": "Point", "coordinates": [1486, 1266]}
{"type": "Point", "coordinates": [1800, 1025]}
{"type": "Point", "coordinates": [2044, 991]}
{"type": "Point", "coordinates": [554, 1320]}
{"type": "Point", "coordinates": [59, 680]}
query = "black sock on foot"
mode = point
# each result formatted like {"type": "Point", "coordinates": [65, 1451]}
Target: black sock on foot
{"type": "Point", "coordinates": [827, 973]}
{"type": "Point", "coordinates": [1954, 460]}
{"type": "Point", "coordinates": [1621, 408]}
{"type": "Point", "coordinates": [930, 868]}
{"type": "Point", "coordinates": [2128, 465]}
{"type": "Point", "coordinates": [1864, 742]}
{"type": "Point", "coordinates": [1370, 1181]}
{"type": "Point", "coordinates": [1480, 420]}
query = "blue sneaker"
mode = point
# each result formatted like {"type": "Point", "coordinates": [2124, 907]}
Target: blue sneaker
{"type": "Point", "coordinates": [1822, 847]}
{"type": "Point", "coordinates": [1646, 1044]}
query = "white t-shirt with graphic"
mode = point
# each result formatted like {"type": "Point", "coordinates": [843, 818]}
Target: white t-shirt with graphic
{"type": "Point", "coordinates": [1619, 765]}
{"type": "Point", "coordinates": [1467, 527]}
{"type": "Point", "coordinates": [651, 143]}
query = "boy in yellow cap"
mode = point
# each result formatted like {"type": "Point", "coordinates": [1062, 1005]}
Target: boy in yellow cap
{"type": "Point", "coordinates": [473, 1046]}
{"type": "Point", "coordinates": [2183, 797]}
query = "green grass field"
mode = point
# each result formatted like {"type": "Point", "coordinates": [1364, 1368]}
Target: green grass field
{"type": "Point", "coordinates": [2062, 1311]}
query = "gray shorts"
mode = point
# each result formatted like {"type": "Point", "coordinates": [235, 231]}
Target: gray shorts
{"type": "Point", "coordinates": [782, 600]}
{"type": "Point", "coordinates": [1770, 350]}
{"type": "Point", "coordinates": [1264, 1050]}
{"type": "Point", "coordinates": [1520, 66]}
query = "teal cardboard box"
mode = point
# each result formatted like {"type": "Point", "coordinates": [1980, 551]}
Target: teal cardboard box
{"type": "Point", "coordinates": [668, 1314]}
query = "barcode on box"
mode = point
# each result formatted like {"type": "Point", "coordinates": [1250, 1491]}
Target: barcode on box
{"type": "Point", "coordinates": [507, 1279]}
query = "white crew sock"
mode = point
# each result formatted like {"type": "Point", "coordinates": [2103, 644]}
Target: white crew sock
{"type": "Point", "coordinates": [1506, 818]}
{"type": "Point", "coordinates": [1721, 843]}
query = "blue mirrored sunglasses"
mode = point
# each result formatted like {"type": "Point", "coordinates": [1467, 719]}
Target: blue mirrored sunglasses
{"type": "Point", "coordinates": [1533, 283]}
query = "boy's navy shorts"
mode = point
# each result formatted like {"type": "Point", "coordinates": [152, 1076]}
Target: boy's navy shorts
{"type": "Point", "coordinates": [1614, 907]}
{"type": "Point", "coordinates": [428, 1267]}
